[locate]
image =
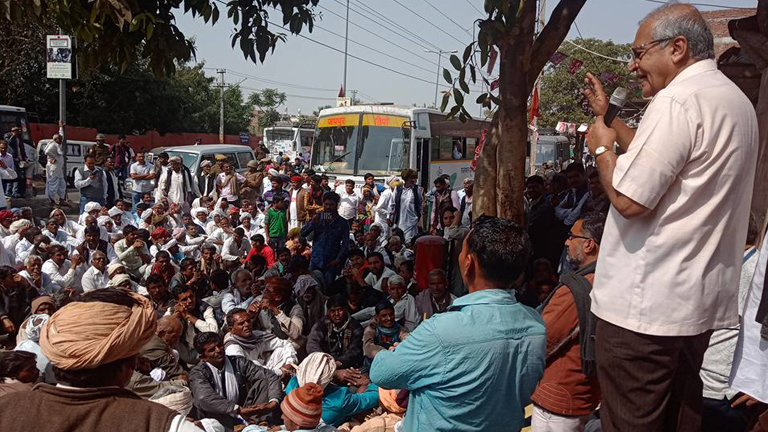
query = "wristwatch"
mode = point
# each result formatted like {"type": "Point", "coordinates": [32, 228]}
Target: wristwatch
{"type": "Point", "coordinates": [600, 150]}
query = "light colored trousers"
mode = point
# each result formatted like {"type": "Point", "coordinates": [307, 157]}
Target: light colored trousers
{"type": "Point", "coordinates": [545, 421]}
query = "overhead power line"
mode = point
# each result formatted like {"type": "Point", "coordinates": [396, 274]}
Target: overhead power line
{"type": "Point", "coordinates": [370, 9]}
{"type": "Point", "coordinates": [430, 22]}
{"type": "Point", "coordinates": [469, 2]}
{"type": "Point", "coordinates": [420, 56]}
{"type": "Point", "coordinates": [292, 95]}
{"type": "Point", "coordinates": [278, 83]}
{"type": "Point", "coordinates": [374, 49]}
{"type": "Point", "coordinates": [597, 53]}
{"type": "Point", "coordinates": [697, 4]}
{"type": "Point", "coordinates": [447, 17]}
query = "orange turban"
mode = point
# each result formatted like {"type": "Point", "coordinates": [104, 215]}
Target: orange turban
{"type": "Point", "coordinates": [87, 335]}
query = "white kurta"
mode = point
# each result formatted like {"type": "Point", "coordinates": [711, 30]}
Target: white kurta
{"type": "Point", "coordinates": [749, 373]}
{"type": "Point", "coordinates": [293, 211]}
{"type": "Point", "coordinates": [176, 188]}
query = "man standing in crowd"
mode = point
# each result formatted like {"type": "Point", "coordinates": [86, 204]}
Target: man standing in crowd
{"type": "Point", "coordinates": [331, 239]}
{"type": "Point", "coordinates": [123, 155]}
{"type": "Point", "coordinates": [142, 173]}
{"type": "Point", "coordinates": [569, 392]}
{"type": "Point", "coordinates": [405, 207]}
{"type": "Point", "coordinates": [21, 163]}
{"type": "Point", "coordinates": [92, 182]}
{"type": "Point", "coordinates": [55, 183]}
{"type": "Point", "coordinates": [206, 181]}
{"type": "Point", "coordinates": [100, 151]}
{"type": "Point", "coordinates": [93, 360]}
{"type": "Point", "coordinates": [114, 193]}
{"type": "Point", "coordinates": [680, 199]}
{"type": "Point", "coordinates": [178, 185]}
{"type": "Point", "coordinates": [229, 183]}
{"type": "Point", "coordinates": [349, 199]}
{"type": "Point", "coordinates": [486, 344]}
{"type": "Point", "coordinates": [445, 197]}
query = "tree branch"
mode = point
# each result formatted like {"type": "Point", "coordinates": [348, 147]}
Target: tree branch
{"type": "Point", "coordinates": [553, 35]}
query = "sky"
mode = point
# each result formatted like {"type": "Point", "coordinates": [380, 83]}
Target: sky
{"type": "Point", "coordinates": [311, 74]}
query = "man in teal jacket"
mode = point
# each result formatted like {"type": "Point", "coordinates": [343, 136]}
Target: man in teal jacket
{"type": "Point", "coordinates": [475, 366]}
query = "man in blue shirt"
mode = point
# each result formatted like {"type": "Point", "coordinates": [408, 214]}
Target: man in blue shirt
{"type": "Point", "coordinates": [475, 366]}
{"type": "Point", "coordinates": [331, 241]}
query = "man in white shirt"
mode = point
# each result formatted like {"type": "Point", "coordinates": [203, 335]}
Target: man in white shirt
{"type": "Point", "coordinates": [350, 198]}
{"type": "Point", "coordinates": [405, 206]}
{"type": "Point", "coordinates": [235, 248]}
{"type": "Point", "coordinates": [142, 173]}
{"type": "Point", "coordinates": [671, 254]}
{"type": "Point", "coordinates": [379, 271]}
{"type": "Point", "coordinates": [33, 273]}
{"type": "Point", "coordinates": [262, 348]}
{"type": "Point", "coordinates": [229, 183]}
{"type": "Point", "coordinates": [92, 182]}
{"type": "Point", "coordinates": [179, 186]}
{"type": "Point", "coordinates": [55, 183]}
{"type": "Point", "coordinates": [61, 270]}
{"type": "Point", "coordinates": [6, 170]}
{"type": "Point", "coordinates": [96, 276]}
{"type": "Point", "coordinates": [132, 252]}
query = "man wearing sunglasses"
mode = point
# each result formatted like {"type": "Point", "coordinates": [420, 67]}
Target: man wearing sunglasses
{"type": "Point", "coordinates": [671, 254]}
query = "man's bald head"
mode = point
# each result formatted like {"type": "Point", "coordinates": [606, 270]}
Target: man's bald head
{"type": "Point", "coordinates": [169, 329]}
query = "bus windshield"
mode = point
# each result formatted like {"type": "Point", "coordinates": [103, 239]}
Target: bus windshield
{"type": "Point", "coordinates": [380, 145]}
{"type": "Point", "coordinates": [279, 134]}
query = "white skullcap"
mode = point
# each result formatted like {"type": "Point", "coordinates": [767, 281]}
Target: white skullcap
{"type": "Point", "coordinates": [92, 206]}
{"type": "Point", "coordinates": [244, 215]}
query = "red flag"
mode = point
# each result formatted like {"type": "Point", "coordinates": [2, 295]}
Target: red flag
{"type": "Point", "coordinates": [494, 84]}
{"type": "Point", "coordinates": [492, 60]}
{"type": "Point", "coordinates": [342, 93]}
{"type": "Point", "coordinates": [576, 64]}
{"type": "Point", "coordinates": [478, 149]}
{"type": "Point", "coordinates": [534, 111]}
{"type": "Point", "coordinates": [557, 58]}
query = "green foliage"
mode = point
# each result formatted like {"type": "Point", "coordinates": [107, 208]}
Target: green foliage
{"type": "Point", "coordinates": [560, 98]}
{"type": "Point", "coordinates": [268, 100]}
{"type": "Point", "coordinates": [121, 32]}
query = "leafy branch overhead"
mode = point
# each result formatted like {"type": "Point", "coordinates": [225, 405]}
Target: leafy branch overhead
{"type": "Point", "coordinates": [124, 31]}
{"type": "Point", "coordinates": [506, 31]}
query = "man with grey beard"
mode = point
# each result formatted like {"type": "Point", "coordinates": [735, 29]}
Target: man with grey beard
{"type": "Point", "coordinates": [569, 391]}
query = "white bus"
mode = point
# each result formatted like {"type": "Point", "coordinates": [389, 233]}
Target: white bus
{"type": "Point", "coordinates": [290, 140]}
{"type": "Point", "coordinates": [385, 139]}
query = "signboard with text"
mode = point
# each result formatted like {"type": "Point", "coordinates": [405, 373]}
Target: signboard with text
{"type": "Point", "coordinates": [59, 56]}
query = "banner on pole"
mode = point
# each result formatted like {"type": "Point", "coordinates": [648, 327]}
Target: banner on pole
{"type": "Point", "coordinates": [576, 64]}
{"type": "Point", "coordinates": [557, 58]}
{"type": "Point", "coordinates": [59, 56]}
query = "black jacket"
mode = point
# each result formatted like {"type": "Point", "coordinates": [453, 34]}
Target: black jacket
{"type": "Point", "coordinates": [352, 352]}
{"type": "Point", "coordinates": [257, 385]}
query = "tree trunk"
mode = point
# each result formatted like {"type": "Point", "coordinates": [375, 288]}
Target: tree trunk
{"type": "Point", "coordinates": [484, 195]}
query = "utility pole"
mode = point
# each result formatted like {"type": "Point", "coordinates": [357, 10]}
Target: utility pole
{"type": "Point", "coordinates": [439, 57]}
{"type": "Point", "coordinates": [354, 97]}
{"type": "Point", "coordinates": [221, 73]}
{"type": "Point", "coordinates": [535, 139]}
{"type": "Point", "coordinates": [346, 46]}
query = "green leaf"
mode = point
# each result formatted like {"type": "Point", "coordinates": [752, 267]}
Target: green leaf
{"type": "Point", "coordinates": [483, 55]}
{"type": "Point", "coordinates": [468, 52]}
{"type": "Point", "coordinates": [480, 99]}
{"type": "Point", "coordinates": [444, 103]}
{"type": "Point", "coordinates": [472, 73]}
{"type": "Point", "coordinates": [458, 97]}
{"type": "Point", "coordinates": [447, 76]}
{"type": "Point", "coordinates": [215, 14]}
{"type": "Point", "coordinates": [150, 31]}
{"type": "Point", "coordinates": [453, 112]}
{"type": "Point", "coordinates": [464, 86]}
{"type": "Point", "coordinates": [455, 62]}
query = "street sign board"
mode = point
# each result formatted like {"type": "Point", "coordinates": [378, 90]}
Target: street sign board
{"type": "Point", "coordinates": [245, 138]}
{"type": "Point", "coordinates": [59, 56]}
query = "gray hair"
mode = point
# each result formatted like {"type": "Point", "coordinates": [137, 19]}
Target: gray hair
{"type": "Point", "coordinates": [675, 19]}
{"type": "Point", "coordinates": [98, 252]}
{"type": "Point", "coordinates": [32, 258]}
{"type": "Point", "coordinates": [396, 280]}
{"type": "Point", "coordinates": [593, 225]}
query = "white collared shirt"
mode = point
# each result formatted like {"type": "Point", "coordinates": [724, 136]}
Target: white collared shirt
{"type": "Point", "coordinates": [675, 271]}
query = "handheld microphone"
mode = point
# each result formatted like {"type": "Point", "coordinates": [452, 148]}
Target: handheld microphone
{"type": "Point", "coordinates": [615, 104]}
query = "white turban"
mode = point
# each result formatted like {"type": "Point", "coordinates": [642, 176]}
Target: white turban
{"type": "Point", "coordinates": [176, 398]}
{"type": "Point", "coordinates": [273, 172]}
{"type": "Point", "coordinates": [147, 213]}
{"type": "Point", "coordinates": [171, 243]}
{"type": "Point", "coordinates": [35, 325]}
{"type": "Point", "coordinates": [102, 220]}
{"type": "Point", "coordinates": [113, 267]}
{"type": "Point", "coordinates": [118, 280]}
{"type": "Point", "coordinates": [244, 215]}
{"type": "Point", "coordinates": [114, 211]}
{"type": "Point", "coordinates": [19, 224]}
{"type": "Point", "coordinates": [197, 210]}
{"type": "Point", "coordinates": [318, 368]}
{"type": "Point", "coordinates": [92, 206]}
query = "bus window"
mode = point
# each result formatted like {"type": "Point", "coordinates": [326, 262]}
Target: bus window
{"type": "Point", "coordinates": [442, 147]}
{"type": "Point", "coordinates": [336, 142]}
{"type": "Point", "coordinates": [471, 145]}
{"type": "Point", "coordinates": [243, 158]}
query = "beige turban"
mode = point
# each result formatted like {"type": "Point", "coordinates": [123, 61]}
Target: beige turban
{"type": "Point", "coordinates": [177, 398]}
{"type": "Point", "coordinates": [318, 368]}
{"type": "Point", "coordinates": [86, 335]}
